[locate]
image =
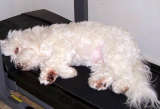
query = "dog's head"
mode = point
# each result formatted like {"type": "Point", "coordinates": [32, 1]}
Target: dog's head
{"type": "Point", "coordinates": [11, 46]}
{"type": "Point", "coordinates": [20, 51]}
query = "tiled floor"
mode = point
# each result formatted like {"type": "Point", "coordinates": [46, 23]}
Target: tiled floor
{"type": "Point", "coordinates": [4, 106]}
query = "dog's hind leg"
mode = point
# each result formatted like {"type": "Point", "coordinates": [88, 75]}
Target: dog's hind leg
{"type": "Point", "coordinates": [101, 78]}
{"type": "Point", "coordinates": [120, 86]}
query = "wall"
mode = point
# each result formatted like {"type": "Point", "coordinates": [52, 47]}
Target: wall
{"type": "Point", "coordinates": [5, 12]}
{"type": "Point", "coordinates": [10, 8]}
{"type": "Point", "coordinates": [63, 7]}
{"type": "Point", "coordinates": [140, 17]}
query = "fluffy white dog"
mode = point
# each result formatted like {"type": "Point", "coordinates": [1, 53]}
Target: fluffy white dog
{"type": "Point", "coordinates": [114, 57]}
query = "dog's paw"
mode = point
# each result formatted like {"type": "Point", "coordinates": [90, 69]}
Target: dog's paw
{"type": "Point", "coordinates": [100, 82]}
{"type": "Point", "coordinates": [67, 72]}
{"type": "Point", "coordinates": [120, 87]}
{"type": "Point", "coordinates": [51, 77]}
{"type": "Point", "coordinates": [48, 78]}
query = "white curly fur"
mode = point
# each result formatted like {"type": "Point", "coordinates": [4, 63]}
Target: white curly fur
{"type": "Point", "coordinates": [111, 52]}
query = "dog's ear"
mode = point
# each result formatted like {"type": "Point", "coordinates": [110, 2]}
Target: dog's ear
{"type": "Point", "coordinates": [13, 33]}
{"type": "Point", "coordinates": [10, 34]}
{"type": "Point", "coordinates": [2, 42]}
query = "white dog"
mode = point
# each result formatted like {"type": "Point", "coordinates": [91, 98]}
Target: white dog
{"type": "Point", "coordinates": [114, 57]}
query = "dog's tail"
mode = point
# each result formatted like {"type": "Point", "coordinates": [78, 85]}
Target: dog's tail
{"type": "Point", "coordinates": [142, 94]}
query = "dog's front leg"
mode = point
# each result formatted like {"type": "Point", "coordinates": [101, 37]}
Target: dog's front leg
{"type": "Point", "coordinates": [65, 71]}
{"type": "Point", "coordinates": [50, 72]}
{"type": "Point", "coordinates": [48, 75]}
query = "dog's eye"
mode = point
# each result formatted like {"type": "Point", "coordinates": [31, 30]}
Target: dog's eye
{"type": "Point", "coordinates": [16, 50]}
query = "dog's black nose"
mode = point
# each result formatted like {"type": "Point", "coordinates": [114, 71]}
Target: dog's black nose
{"type": "Point", "coordinates": [19, 66]}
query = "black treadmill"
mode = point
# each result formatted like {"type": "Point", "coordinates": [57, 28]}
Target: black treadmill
{"type": "Point", "coordinates": [71, 93]}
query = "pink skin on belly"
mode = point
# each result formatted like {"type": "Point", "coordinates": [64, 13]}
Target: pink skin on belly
{"type": "Point", "coordinates": [97, 55]}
